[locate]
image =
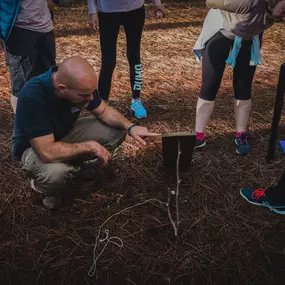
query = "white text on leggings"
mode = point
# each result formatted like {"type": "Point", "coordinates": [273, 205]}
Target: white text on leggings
{"type": "Point", "coordinates": [138, 77]}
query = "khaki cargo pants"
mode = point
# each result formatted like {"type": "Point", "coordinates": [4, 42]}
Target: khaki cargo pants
{"type": "Point", "coordinates": [51, 177]}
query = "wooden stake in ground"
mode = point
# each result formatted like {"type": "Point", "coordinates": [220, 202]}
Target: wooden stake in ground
{"type": "Point", "coordinates": [184, 141]}
{"type": "Point", "coordinates": [279, 101]}
{"type": "Point", "coordinates": [178, 181]}
{"type": "Point", "coordinates": [112, 239]}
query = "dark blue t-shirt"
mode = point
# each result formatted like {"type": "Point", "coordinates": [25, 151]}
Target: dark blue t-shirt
{"type": "Point", "coordinates": [40, 112]}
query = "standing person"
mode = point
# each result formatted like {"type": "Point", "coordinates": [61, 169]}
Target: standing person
{"type": "Point", "coordinates": [27, 31]}
{"type": "Point", "coordinates": [236, 25]}
{"type": "Point", "coordinates": [111, 15]}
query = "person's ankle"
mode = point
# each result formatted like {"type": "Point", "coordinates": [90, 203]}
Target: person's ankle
{"type": "Point", "coordinates": [239, 134]}
{"type": "Point", "coordinates": [200, 136]}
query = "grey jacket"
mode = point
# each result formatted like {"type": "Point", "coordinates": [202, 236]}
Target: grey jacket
{"type": "Point", "coordinates": [111, 6]}
{"type": "Point", "coordinates": [245, 18]}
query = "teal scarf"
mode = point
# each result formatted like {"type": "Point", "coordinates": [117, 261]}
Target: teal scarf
{"type": "Point", "coordinates": [255, 58]}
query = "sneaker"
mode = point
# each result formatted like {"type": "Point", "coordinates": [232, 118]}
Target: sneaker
{"type": "Point", "coordinates": [243, 147]}
{"type": "Point", "coordinates": [280, 211]}
{"type": "Point", "coordinates": [138, 109]}
{"type": "Point", "coordinates": [258, 197]}
{"type": "Point", "coordinates": [91, 161]}
{"type": "Point", "coordinates": [51, 202]}
{"type": "Point", "coordinates": [199, 143]}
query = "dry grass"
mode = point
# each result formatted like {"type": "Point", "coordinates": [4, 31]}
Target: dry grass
{"type": "Point", "coordinates": [222, 240]}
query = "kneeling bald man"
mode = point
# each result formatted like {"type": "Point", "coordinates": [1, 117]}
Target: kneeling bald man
{"type": "Point", "coordinates": [48, 132]}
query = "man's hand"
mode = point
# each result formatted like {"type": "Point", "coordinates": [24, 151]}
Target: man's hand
{"type": "Point", "coordinates": [160, 11]}
{"type": "Point", "coordinates": [50, 4]}
{"type": "Point", "coordinates": [100, 151]}
{"type": "Point", "coordinates": [51, 151]}
{"type": "Point", "coordinates": [94, 21]}
{"type": "Point", "coordinates": [114, 119]}
{"type": "Point", "coordinates": [278, 12]}
{"type": "Point", "coordinates": [138, 133]}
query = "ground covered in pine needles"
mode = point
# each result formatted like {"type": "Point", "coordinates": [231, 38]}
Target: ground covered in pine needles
{"type": "Point", "coordinates": [221, 239]}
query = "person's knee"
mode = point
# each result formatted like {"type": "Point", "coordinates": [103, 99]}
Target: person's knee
{"type": "Point", "coordinates": [243, 95]}
{"type": "Point", "coordinates": [51, 177]}
{"type": "Point", "coordinates": [208, 94]}
{"type": "Point", "coordinates": [110, 138]}
{"type": "Point", "coordinates": [133, 54]}
{"type": "Point", "coordinates": [117, 138]}
{"type": "Point", "coordinates": [94, 130]}
{"type": "Point", "coordinates": [209, 90]}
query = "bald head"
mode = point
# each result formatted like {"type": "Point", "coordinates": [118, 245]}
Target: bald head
{"type": "Point", "coordinates": [77, 73]}
{"type": "Point", "coordinates": [75, 80]}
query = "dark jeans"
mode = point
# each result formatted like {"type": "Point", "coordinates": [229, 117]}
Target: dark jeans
{"type": "Point", "coordinates": [213, 65]}
{"type": "Point", "coordinates": [109, 24]}
{"type": "Point", "coordinates": [28, 54]}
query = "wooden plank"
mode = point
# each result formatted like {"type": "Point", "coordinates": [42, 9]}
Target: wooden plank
{"type": "Point", "coordinates": [170, 149]}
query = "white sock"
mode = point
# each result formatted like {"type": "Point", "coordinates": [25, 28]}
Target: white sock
{"type": "Point", "coordinates": [14, 101]}
{"type": "Point", "coordinates": [204, 111]}
{"type": "Point", "coordinates": [242, 113]}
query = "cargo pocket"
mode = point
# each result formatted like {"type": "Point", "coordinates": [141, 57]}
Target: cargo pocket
{"type": "Point", "coordinates": [20, 69]}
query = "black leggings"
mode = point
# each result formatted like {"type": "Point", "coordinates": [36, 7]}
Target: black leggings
{"type": "Point", "coordinates": [109, 24]}
{"type": "Point", "coordinates": [213, 65]}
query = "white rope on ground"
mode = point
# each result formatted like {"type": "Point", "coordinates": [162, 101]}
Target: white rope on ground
{"type": "Point", "coordinates": [116, 240]}
{"type": "Point", "coordinates": [113, 239]}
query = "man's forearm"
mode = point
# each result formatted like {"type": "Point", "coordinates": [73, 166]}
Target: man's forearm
{"type": "Point", "coordinates": [113, 118]}
{"type": "Point", "coordinates": [60, 151]}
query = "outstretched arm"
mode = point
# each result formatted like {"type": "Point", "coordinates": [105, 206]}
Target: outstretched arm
{"type": "Point", "coordinates": [115, 119]}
